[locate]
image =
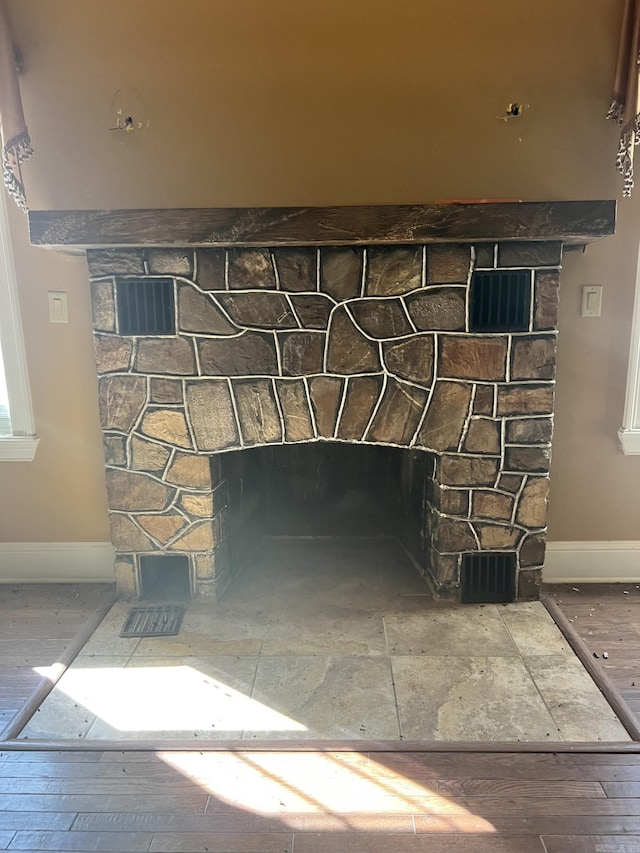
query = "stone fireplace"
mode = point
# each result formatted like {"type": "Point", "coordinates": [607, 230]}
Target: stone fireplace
{"type": "Point", "coordinates": [422, 337]}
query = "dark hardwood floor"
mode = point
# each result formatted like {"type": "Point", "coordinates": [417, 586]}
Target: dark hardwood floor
{"type": "Point", "coordinates": [314, 802]}
{"type": "Point", "coordinates": [607, 618]}
{"type": "Point", "coordinates": [37, 624]}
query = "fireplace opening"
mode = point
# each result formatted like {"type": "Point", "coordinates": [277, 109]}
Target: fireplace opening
{"type": "Point", "coordinates": [326, 489]}
{"type": "Point", "coordinates": [164, 577]}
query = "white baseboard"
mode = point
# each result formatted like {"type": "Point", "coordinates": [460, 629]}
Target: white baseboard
{"type": "Point", "coordinates": [57, 562]}
{"type": "Point", "coordinates": [93, 562]}
{"type": "Point", "coordinates": [592, 562]}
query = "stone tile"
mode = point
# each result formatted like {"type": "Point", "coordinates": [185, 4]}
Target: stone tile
{"type": "Point", "coordinates": [112, 353]}
{"type": "Point", "coordinates": [438, 308]}
{"type": "Point", "coordinates": [200, 698]}
{"type": "Point", "coordinates": [302, 353]}
{"type": "Point", "coordinates": [331, 696]}
{"type": "Point", "coordinates": [296, 268]}
{"type": "Point", "coordinates": [381, 318]}
{"type": "Point", "coordinates": [341, 272]}
{"type": "Point", "coordinates": [579, 709]}
{"type": "Point", "coordinates": [295, 410]}
{"type": "Point", "coordinates": [212, 415]}
{"type": "Point", "coordinates": [393, 270]}
{"type": "Point", "coordinates": [533, 358]}
{"type": "Point", "coordinates": [411, 359]}
{"type": "Point", "coordinates": [105, 639]}
{"type": "Point", "coordinates": [168, 425]}
{"type": "Point", "coordinates": [115, 261]}
{"type": "Point", "coordinates": [528, 254]}
{"type": "Point", "coordinates": [313, 310]}
{"type": "Point", "coordinates": [266, 310]}
{"type": "Point", "coordinates": [469, 699]}
{"type": "Point", "coordinates": [60, 717]}
{"type": "Point", "coordinates": [547, 300]}
{"type": "Point", "coordinates": [532, 509]}
{"type": "Point", "coordinates": [165, 355]}
{"type": "Point", "coordinates": [483, 436]}
{"type": "Point", "coordinates": [446, 416]}
{"type": "Point", "coordinates": [257, 410]}
{"type": "Point", "coordinates": [472, 357]}
{"type": "Point", "coordinates": [331, 631]}
{"type": "Point", "coordinates": [121, 399]}
{"type": "Point", "coordinates": [349, 351]}
{"type": "Point", "coordinates": [251, 353]}
{"type": "Point", "coordinates": [530, 431]}
{"type": "Point", "coordinates": [130, 491]}
{"type": "Point", "coordinates": [205, 632]}
{"type": "Point", "coordinates": [449, 631]}
{"type": "Point", "coordinates": [326, 394]}
{"type": "Point", "coordinates": [448, 262]}
{"type": "Point", "coordinates": [362, 395]}
{"type": "Point", "coordinates": [210, 265]}
{"type": "Point", "coordinates": [533, 631]}
{"type": "Point", "coordinates": [251, 268]}
{"type": "Point", "coordinates": [199, 313]}
{"type": "Point", "coordinates": [103, 308]}
{"type": "Point", "coordinates": [170, 261]}
{"type": "Point", "coordinates": [398, 415]}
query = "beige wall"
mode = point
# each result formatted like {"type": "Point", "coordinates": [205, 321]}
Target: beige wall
{"type": "Point", "coordinates": [290, 102]}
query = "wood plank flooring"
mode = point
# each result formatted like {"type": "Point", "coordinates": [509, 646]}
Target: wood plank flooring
{"type": "Point", "coordinates": [607, 618]}
{"type": "Point", "coordinates": [311, 802]}
{"type": "Point", "coordinates": [37, 623]}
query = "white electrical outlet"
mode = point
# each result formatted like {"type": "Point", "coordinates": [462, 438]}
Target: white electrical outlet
{"type": "Point", "coordinates": [58, 306]}
{"type": "Point", "coordinates": [591, 300]}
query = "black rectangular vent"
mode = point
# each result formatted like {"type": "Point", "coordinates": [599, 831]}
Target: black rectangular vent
{"type": "Point", "coordinates": [145, 306]}
{"type": "Point", "coordinates": [500, 301]}
{"type": "Point", "coordinates": [164, 577]}
{"type": "Point", "coordinates": [487, 578]}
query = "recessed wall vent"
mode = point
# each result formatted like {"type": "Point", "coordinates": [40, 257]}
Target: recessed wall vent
{"type": "Point", "coordinates": [145, 306]}
{"type": "Point", "coordinates": [164, 577]}
{"type": "Point", "coordinates": [487, 578]}
{"type": "Point", "coordinates": [500, 301]}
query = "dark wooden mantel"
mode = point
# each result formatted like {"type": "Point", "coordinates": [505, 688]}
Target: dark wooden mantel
{"type": "Point", "coordinates": [572, 222]}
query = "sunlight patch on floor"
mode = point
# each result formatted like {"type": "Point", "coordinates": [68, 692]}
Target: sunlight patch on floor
{"type": "Point", "coordinates": [174, 698]}
{"type": "Point", "coordinates": [346, 785]}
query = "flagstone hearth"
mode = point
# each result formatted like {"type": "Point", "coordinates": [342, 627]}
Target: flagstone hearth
{"type": "Point", "coordinates": [322, 639]}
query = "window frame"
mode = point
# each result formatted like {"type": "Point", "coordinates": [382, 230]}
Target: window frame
{"type": "Point", "coordinates": [21, 445]}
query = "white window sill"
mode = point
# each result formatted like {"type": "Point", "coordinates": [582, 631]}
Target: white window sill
{"type": "Point", "coordinates": [18, 448]}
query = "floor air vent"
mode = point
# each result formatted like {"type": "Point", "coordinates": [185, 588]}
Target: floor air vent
{"type": "Point", "coordinates": [153, 621]}
{"type": "Point", "coordinates": [500, 301]}
{"type": "Point", "coordinates": [487, 578]}
{"type": "Point", "coordinates": [145, 306]}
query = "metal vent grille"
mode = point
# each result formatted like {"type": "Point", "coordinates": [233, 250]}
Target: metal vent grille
{"type": "Point", "coordinates": [487, 578]}
{"type": "Point", "coordinates": [145, 306]}
{"type": "Point", "coordinates": [158, 621]}
{"type": "Point", "coordinates": [500, 301]}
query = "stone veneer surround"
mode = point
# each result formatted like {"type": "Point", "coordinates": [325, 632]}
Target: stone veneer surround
{"type": "Point", "coordinates": [285, 345]}
{"type": "Point", "coordinates": [345, 324]}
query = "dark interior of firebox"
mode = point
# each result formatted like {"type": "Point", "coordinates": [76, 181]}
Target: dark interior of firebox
{"type": "Point", "coordinates": [327, 489]}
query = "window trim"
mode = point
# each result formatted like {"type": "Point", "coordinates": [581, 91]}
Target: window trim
{"type": "Point", "coordinates": [629, 433]}
{"type": "Point", "coordinates": [22, 444]}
